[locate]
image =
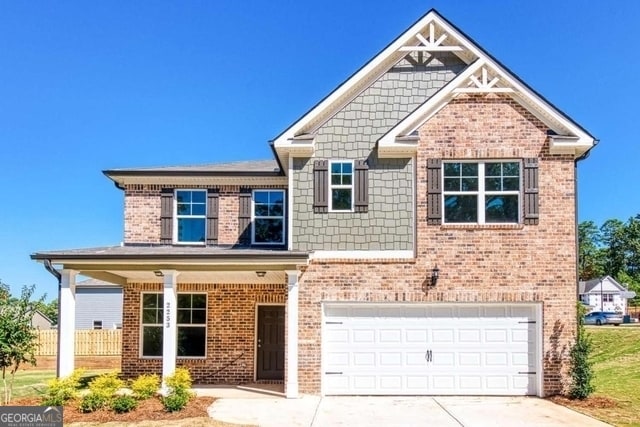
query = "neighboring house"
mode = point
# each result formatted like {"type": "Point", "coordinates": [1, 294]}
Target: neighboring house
{"type": "Point", "coordinates": [98, 305]}
{"type": "Point", "coordinates": [603, 294]}
{"type": "Point", "coordinates": [39, 320]}
{"type": "Point", "coordinates": [415, 234]}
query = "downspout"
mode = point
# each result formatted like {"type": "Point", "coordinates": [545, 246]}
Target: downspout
{"type": "Point", "coordinates": [575, 190]}
{"type": "Point", "coordinates": [58, 276]}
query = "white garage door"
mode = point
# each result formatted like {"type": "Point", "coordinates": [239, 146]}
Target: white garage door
{"type": "Point", "coordinates": [437, 349]}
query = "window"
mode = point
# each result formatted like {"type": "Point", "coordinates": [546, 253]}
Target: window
{"type": "Point", "coordinates": [97, 324]}
{"type": "Point", "coordinates": [607, 297]}
{"type": "Point", "coordinates": [482, 193]}
{"type": "Point", "coordinates": [191, 216]}
{"type": "Point", "coordinates": [268, 217]}
{"type": "Point", "coordinates": [341, 188]}
{"type": "Point", "coordinates": [191, 319]}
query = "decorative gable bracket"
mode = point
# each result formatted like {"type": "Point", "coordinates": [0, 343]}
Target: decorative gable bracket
{"type": "Point", "coordinates": [432, 42]}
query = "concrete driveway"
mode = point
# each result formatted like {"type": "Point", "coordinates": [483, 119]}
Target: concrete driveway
{"type": "Point", "coordinates": [315, 411]}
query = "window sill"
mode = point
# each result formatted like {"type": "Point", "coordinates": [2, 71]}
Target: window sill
{"type": "Point", "coordinates": [482, 226]}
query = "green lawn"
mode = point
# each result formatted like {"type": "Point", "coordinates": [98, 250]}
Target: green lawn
{"type": "Point", "coordinates": [34, 382]}
{"type": "Point", "coordinates": [616, 365]}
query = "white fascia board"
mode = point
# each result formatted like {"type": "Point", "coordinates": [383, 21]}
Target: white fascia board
{"type": "Point", "coordinates": [362, 255]}
{"type": "Point", "coordinates": [285, 139]}
{"type": "Point", "coordinates": [199, 180]}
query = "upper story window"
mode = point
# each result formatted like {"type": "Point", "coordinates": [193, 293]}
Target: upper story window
{"type": "Point", "coordinates": [481, 192]}
{"type": "Point", "coordinates": [268, 217]}
{"type": "Point", "coordinates": [191, 216]}
{"type": "Point", "coordinates": [341, 187]}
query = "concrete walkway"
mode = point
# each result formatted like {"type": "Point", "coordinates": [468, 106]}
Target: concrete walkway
{"type": "Point", "coordinates": [261, 409]}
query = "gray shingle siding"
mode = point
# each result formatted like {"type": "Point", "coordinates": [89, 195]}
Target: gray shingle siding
{"type": "Point", "coordinates": [103, 304]}
{"type": "Point", "coordinates": [352, 134]}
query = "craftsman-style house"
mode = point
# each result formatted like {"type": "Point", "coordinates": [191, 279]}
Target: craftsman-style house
{"type": "Point", "coordinates": [414, 234]}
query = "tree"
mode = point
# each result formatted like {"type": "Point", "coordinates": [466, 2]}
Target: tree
{"type": "Point", "coordinates": [18, 340]}
{"type": "Point", "coordinates": [50, 309]}
{"type": "Point", "coordinates": [613, 238]}
{"type": "Point", "coordinates": [590, 254]}
{"type": "Point", "coordinates": [581, 373]}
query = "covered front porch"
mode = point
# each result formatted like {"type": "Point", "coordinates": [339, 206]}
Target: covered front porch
{"type": "Point", "coordinates": [230, 315]}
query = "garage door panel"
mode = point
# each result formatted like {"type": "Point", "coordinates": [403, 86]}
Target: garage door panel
{"type": "Point", "coordinates": [429, 349]}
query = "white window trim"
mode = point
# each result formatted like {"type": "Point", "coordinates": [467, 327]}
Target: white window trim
{"type": "Point", "coordinates": [178, 325]}
{"type": "Point", "coordinates": [253, 216]}
{"type": "Point", "coordinates": [332, 186]}
{"type": "Point", "coordinates": [101, 325]}
{"type": "Point", "coordinates": [176, 216]}
{"type": "Point", "coordinates": [481, 193]}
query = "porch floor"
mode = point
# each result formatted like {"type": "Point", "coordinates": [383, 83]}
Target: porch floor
{"type": "Point", "coordinates": [246, 391]}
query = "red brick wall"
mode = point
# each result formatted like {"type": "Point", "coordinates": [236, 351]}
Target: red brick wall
{"type": "Point", "coordinates": [142, 212]}
{"type": "Point", "coordinates": [231, 317]}
{"type": "Point", "coordinates": [482, 263]}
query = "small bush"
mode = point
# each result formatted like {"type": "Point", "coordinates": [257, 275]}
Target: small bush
{"type": "Point", "coordinates": [581, 368]}
{"type": "Point", "coordinates": [124, 403]}
{"type": "Point", "coordinates": [145, 386]}
{"type": "Point", "coordinates": [91, 402]}
{"type": "Point", "coordinates": [106, 384]}
{"type": "Point", "coordinates": [176, 400]}
{"type": "Point", "coordinates": [180, 380]}
{"type": "Point", "coordinates": [61, 390]}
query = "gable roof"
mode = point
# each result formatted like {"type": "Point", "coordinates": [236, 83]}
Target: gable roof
{"type": "Point", "coordinates": [594, 285]}
{"type": "Point", "coordinates": [484, 74]}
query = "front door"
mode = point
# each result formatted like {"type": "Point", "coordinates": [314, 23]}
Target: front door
{"type": "Point", "coordinates": [270, 343]}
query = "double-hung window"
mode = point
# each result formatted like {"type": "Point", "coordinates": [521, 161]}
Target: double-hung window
{"type": "Point", "coordinates": [341, 186]}
{"type": "Point", "coordinates": [268, 217]}
{"type": "Point", "coordinates": [191, 321]}
{"type": "Point", "coordinates": [481, 192]}
{"type": "Point", "coordinates": [191, 216]}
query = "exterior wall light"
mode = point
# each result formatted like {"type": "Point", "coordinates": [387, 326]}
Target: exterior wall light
{"type": "Point", "coordinates": [261, 273]}
{"type": "Point", "coordinates": [435, 273]}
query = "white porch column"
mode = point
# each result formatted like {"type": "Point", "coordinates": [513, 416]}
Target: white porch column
{"type": "Point", "coordinates": [291, 387]}
{"type": "Point", "coordinates": [169, 324]}
{"type": "Point", "coordinates": [67, 323]}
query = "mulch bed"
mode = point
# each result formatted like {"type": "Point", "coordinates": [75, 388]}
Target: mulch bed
{"type": "Point", "coordinates": [590, 402]}
{"type": "Point", "coordinates": [147, 410]}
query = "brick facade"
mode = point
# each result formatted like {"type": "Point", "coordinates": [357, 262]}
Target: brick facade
{"type": "Point", "coordinates": [478, 264]}
{"type": "Point", "coordinates": [142, 212]}
{"type": "Point", "coordinates": [231, 319]}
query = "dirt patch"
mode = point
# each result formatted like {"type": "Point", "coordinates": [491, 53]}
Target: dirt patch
{"type": "Point", "coordinates": [147, 410]}
{"type": "Point", "coordinates": [599, 402]}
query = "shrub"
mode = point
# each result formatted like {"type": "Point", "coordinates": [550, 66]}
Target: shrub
{"type": "Point", "coordinates": [176, 400]}
{"type": "Point", "coordinates": [124, 403]}
{"type": "Point", "coordinates": [92, 402]}
{"type": "Point", "coordinates": [106, 384]}
{"type": "Point", "coordinates": [180, 380]}
{"type": "Point", "coordinates": [61, 390]}
{"type": "Point", "coordinates": [145, 386]}
{"type": "Point", "coordinates": [581, 373]}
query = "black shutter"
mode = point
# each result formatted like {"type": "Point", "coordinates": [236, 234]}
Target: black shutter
{"type": "Point", "coordinates": [531, 191]}
{"type": "Point", "coordinates": [244, 216]}
{"type": "Point", "coordinates": [166, 216]}
{"type": "Point", "coordinates": [434, 191]}
{"type": "Point", "coordinates": [212, 216]}
{"type": "Point", "coordinates": [320, 186]}
{"type": "Point", "coordinates": [361, 186]}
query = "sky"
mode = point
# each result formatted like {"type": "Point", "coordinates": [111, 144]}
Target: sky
{"type": "Point", "coordinates": [89, 86]}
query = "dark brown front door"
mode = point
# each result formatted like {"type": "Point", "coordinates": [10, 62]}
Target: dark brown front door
{"type": "Point", "coordinates": [270, 342]}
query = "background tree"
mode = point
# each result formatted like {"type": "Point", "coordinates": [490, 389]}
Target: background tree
{"type": "Point", "coordinates": [613, 249]}
{"type": "Point", "coordinates": [50, 309]}
{"type": "Point", "coordinates": [18, 340]}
